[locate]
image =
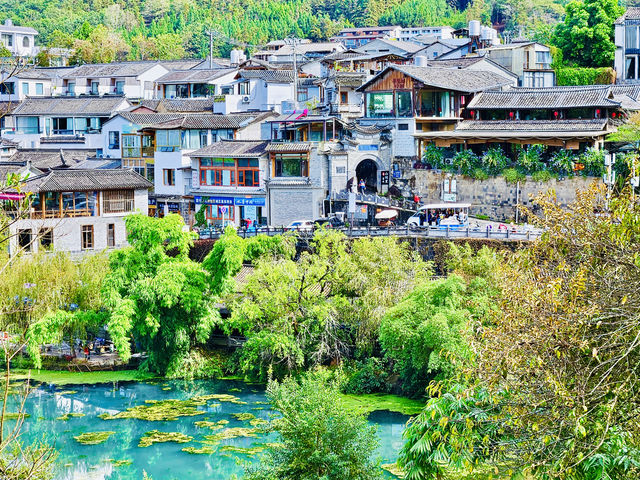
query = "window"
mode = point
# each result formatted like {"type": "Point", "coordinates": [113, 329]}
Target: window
{"type": "Point", "coordinates": [86, 240]}
{"type": "Point", "coordinates": [202, 90]}
{"type": "Point", "coordinates": [543, 60]}
{"type": "Point", "coordinates": [25, 42]}
{"type": "Point", "coordinates": [119, 87]}
{"type": "Point", "coordinates": [380, 104]}
{"type": "Point", "coordinates": [403, 103]}
{"type": "Point", "coordinates": [434, 104]}
{"type": "Point", "coordinates": [39, 89]}
{"type": "Point", "coordinates": [631, 37]}
{"type": "Point", "coordinates": [220, 213]}
{"type": "Point", "coordinates": [25, 88]}
{"type": "Point", "coordinates": [291, 165]}
{"type": "Point", "coordinates": [194, 139]}
{"type": "Point", "coordinates": [228, 90]}
{"type": "Point", "coordinates": [114, 140]}
{"type": "Point", "coordinates": [71, 88]}
{"type": "Point", "coordinates": [303, 94]}
{"type": "Point", "coordinates": [243, 88]}
{"type": "Point", "coordinates": [344, 98]}
{"type": "Point", "coordinates": [24, 240]}
{"type": "Point", "coordinates": [248, 172]}
{"type": "Point", "coordinates": [117, 201]}
{"type": "Point", "coordinates": [130, 146]}
{"type": "Point", "coordinates": [46, 237]}
{"type": "Point", "coordinates": [7, 39]}
{"type": "Point", "coordinates": [630, 66]}
{"type": "Point", "coordinates": [219, 172]}
{"type": "Point", "coordinates": [111, 235]}
{"type": "Point", "coordinates": [7, 88]}
{"type": "Point", "coordinates": [169, 176]}
{"type": "Point", "coordinates": [94, 88]}
{"type": "Point", "coordinates": [403, 126]}
{"type": "Point", "coordinates": [168, 140]}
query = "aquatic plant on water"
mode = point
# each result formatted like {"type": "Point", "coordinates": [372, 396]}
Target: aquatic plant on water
{"type": "Point", "coordinates": [229, 433]}
{"type": "Point", "coordinates": [93, 438]}
{"type": "Point", "coordinates": [67, 416]}
{"type": "Point", "coordinates": [160, 410]}
{"type": "Point", "coordinates": [155, 436]}
{"type": "Point", "coordinates": [244, 416]}
{"type": "Point", "coordinates": [206, 450]}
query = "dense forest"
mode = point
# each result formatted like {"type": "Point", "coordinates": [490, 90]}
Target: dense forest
{"type": "Point", "coordinates": [102, 30]}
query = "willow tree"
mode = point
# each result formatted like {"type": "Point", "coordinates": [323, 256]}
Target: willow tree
{"type": "Point", "coordinates": [554, 390]}
{"type": "Point", "coordinates": [156, 295]}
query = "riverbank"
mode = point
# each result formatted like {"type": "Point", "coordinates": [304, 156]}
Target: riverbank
{"type": "Point", "coordinates": [366, 402]}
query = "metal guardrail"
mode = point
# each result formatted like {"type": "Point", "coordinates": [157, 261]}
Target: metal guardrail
{"type": "Point", "coordinates": [445, 232]}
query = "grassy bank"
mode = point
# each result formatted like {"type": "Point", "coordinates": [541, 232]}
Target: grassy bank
{"type": "Point", "coordinates": [70, 378]}
{"type": "Point", "coordinates": [372, 402]}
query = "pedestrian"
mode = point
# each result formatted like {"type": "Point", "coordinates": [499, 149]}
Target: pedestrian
{"type": "Point", "coordinates": [86, 351]}
{"type": "Point", "coordinates": [362, 185]}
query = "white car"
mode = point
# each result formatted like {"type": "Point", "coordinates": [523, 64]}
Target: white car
{"type": "Point", "coordinates": [300, 226]}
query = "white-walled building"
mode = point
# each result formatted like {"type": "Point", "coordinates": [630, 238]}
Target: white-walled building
{"type": "Point", "coordinates": [256, 90]}
{"type": "Point", "coordinates": [408, 34]}
{"type": "Point", "coordinates": [20, 41]}
{"type": "Point", "coordinates": [195, 83]}
{"type": "Point", "coordinates": [229, 179]}
{"type": "Point", "coordinates": [627, 40]}
{"type": "Point", "coordinates": [131, 79]}
{"type": "Point", "coordinates": [77, 210]}
{"type": "Point", "coordinates": [15, 87]}
{"type": "Point", "coordinates": [62, 122]}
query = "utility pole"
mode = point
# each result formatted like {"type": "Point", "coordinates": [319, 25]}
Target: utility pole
{"type": "Point", "coordinates": [293, 41]}
{"type": "Point", "coordinates": [210, 49]}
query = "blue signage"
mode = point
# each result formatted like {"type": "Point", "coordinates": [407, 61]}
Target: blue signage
{"type": "Point", "coordinates": [367, 148]}
{"type": "Point", "coordinates": [397, 174]}
{"type": "Point", "coordinates": [240, 201]}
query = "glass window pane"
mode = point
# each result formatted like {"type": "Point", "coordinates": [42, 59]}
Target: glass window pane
{"type": "Point", "coordinates": [631, 36]}
{"type": "Point", "coordinates": [403, 104]}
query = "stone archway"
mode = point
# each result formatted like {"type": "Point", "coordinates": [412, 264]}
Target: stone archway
{"type": "Point", "coordinates": [368, 170]}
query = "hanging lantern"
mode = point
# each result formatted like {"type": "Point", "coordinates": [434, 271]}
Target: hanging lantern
{"type": "Point", "coordinates": [613, 115]}
{"type": "Point", "coordinates": [597, 113]}
{"type": "Point", "coordinates": [555, 114]}
{"type": "Point", "coordinates": [511, 114]}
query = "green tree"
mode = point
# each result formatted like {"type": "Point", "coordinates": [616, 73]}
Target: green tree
{"type": "Point", "coordinates": [156, 295]}
{"type": "Point", "coordinates": [553, 391]}
{"type": "Point", "coordinates": [320, 437]}
{"type": "Point", "coordinates": [586, 35]}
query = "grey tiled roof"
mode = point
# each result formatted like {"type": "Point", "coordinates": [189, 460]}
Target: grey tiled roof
{"type": "Point", "coordinates": [179, 105]}
{"type": "Point", "coordinates": [232, 148]}
{"type": "Point", "coordinates": [84, 180]}
{"type": "Point", "coordinates": [194, 76]}
{"type": "Point", "coordinates": [632, 91]}
{"type": "Point", "coordinates": [32, 73]}
{"type": "Point", "coordinates": [632, 13]}
{"type": "Point", "coordinates": [468, 81]}
{"type": "Point", "coordinates": [274, 76]}
{"type": "Point", "coordinates": [115, 69]}
{"type": "Point", "coordinates": [289, 147]}
{"type": "Point", "coordinates": [48, 159]}
{"type": "Point", "coordinates": [551, 97]}
{"type": "Point", "coordinates": [169, 121]}
{"type": "Point", "coordinates": [81, 106]}
{"type": "Point", "coordinates": [534, 125]}
{"type": "Point", "coordinates": [347, 79]}
{"type": "Point", "coordinates": [17, 29]}
{"type": "Point", "coordinates": [409, 47]}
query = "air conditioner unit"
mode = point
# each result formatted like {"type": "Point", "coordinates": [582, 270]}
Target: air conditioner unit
{"type": "Point", "coordinates": [246, 99]}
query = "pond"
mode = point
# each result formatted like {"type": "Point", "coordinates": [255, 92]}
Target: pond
{"type": "Point", "coordinates": [227, 433]}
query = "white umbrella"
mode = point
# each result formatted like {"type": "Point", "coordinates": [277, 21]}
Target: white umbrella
{"type": "Point", "coordinates": [386, 214]}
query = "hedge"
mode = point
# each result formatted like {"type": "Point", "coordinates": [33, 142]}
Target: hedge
{"type": "Point", "coordinates": [585, 76]}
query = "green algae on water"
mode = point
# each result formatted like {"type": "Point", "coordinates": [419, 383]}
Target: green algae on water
{"type": "Point", "coordinates": [206, 450]}
{"type": "Point", "coordinates": [155, 436]}
{"type": "Point", "coordinates": [394, 469]}
{"type": "Point", "coordinates": [229, 433]}
{"type": "Point", "coordinates": [258, 422]}
{"type": "Point", "coordinates": [235, 390]}
{"type": "Point", "coordinates": [211, 425]}
{"type": "Point", "coordinates": [67, 416]}
{"type": "Point", "coordinates": [242, 450]}
{"type": "Point", "coordinates": [93, 438]}
{"type": "Point", "coordinates": [15, 415]}
{"type": "Point", "coordinates": [371, 402]}
{"type": "Point", "coordinates": [121, 463]}
{"type": "Point", "coordinates": [244, 416]}
{"type": "Point", "coordinates": [160, 410]}
{"type": "Point", "coordinates": [66, 392]}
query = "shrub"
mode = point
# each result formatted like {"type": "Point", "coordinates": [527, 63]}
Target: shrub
{"type": "Point", "coordinates": [530, 159]}
{"type": "Point", "coordinates": [562, 162]}
{"type": "Point", "coordinates": [434, 157]}
{"type": "Point", "coordinates": [367, 376]}
{"type": "Point", "coordinates": [593, 161]}
{"type": "Point", "coordinates": [466, 162]}
{"type": "Point", "coordinates": [197, 363]}
{"type": "Point", "coordinates": [541, 176]}
{"type": "Point", "coordinates": [200, 218]}
{"type": "Point", "coordinates": [479, 174]}
{"type": "Point", "coordinates": [585, 76]}
{"type": "Point", "coordinates": [511, 175]}
{"type": "Point", "coordinates": [494, 161]}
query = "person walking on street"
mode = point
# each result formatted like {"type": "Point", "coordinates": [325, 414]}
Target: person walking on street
{"type": "Point", "coordinates": [86, 352]}
{"type": "Point", "coordinates": [362, 186]}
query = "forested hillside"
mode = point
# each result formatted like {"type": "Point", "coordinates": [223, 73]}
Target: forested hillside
{"type": "Point", "coordinates": [103, 30]}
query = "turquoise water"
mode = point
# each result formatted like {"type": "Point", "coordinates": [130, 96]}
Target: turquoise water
{"type": "Point", "coordinates": [163, 461]}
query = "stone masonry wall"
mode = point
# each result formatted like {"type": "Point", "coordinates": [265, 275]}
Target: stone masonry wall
{"type": "Point", "coordinates": [493, 197]}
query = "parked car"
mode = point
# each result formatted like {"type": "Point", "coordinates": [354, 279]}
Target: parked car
{"type": "Point", "coordinates": [300, 225]}
{"type": "Point", "coordinates": [330, 222]}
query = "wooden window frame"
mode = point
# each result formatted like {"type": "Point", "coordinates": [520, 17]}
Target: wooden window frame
{"type": "Point", "coordinates": [118, 201]}
{"type": "Point", "coordinates": [87, 238]}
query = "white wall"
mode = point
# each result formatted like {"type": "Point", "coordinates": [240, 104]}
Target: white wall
{"type": "Point", "coordinates": [172, 161]}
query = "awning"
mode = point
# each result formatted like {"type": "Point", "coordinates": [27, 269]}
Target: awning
{"type": "Point", "coordinates": [386, 214]}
